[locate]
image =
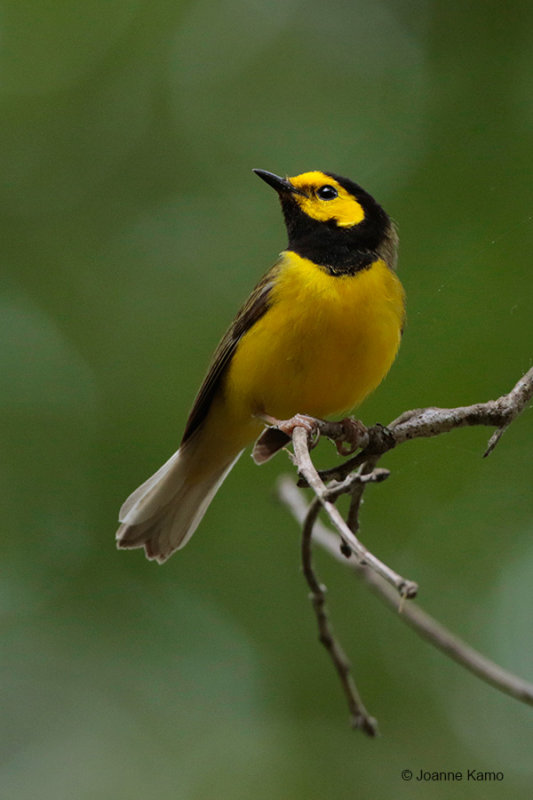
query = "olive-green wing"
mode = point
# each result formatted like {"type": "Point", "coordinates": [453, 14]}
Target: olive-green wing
{"type": "Point", "coordinates": [252, 310]}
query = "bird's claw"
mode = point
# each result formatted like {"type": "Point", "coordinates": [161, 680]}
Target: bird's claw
{"type": "Point", "coordinates": [310, 424]}
{"type": "Point", "coordinates": [281, 430]}
{"type": "Point", "coordinates": [353, 436]}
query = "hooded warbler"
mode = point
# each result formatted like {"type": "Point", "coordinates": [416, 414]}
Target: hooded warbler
{"type": "Point", "coordinates": [316, 336]}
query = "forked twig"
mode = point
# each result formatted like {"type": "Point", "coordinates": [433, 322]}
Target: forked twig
{"type": "Point", "coordinates": [306, 468]}
{"type": "Point", "coordinates": [426, 626]}
{"type": "Point", "coordinates": [381, 578]}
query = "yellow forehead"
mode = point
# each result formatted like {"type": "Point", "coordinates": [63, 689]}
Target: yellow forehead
{"type": "Point", "coordinates": [344, 209]}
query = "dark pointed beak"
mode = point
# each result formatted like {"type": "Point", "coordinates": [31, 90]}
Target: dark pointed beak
{"type": "Point", "coordinates": [277, 183]}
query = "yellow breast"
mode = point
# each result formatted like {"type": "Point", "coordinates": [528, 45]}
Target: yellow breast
{"type": "Point", "coordinates": [323, 345]}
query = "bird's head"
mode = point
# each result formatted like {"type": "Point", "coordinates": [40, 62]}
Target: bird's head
{"type": "Point", "coordinates": [333, 221]}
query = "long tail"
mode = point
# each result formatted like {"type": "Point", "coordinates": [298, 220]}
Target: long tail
{"type": "Point", "coordinates": [163, 513]}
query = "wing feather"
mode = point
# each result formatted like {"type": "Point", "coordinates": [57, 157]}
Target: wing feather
{"type": "Point", "coordinates": [252, 310]}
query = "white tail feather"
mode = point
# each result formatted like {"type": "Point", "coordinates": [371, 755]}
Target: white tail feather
{"type": "Point", "coordinates": [162, 514]}
{"type": "Point", "coordinates": [137, 507]}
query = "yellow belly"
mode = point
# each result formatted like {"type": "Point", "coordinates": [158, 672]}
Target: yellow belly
{"type": "Point", "coordinates": [324, 344]}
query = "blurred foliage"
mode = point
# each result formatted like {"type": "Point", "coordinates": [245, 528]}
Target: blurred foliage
{"type": "Point", "coordinates": [132, 228]}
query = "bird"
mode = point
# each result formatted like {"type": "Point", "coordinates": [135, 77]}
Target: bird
{"type": "Point", "coordinates": [317, 334]}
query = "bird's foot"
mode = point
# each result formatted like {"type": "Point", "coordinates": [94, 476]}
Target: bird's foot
{"type": "Point", "coordinates": [287, 426]}
{"type": "Point", "coordinates": [354, 436]}
{"type": "Point", "coordinates": [348, 434]}
{"type": "Point", "coordinates": [279, 433]}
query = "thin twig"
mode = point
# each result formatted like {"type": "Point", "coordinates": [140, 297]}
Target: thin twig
{"type": "Point", "coordinates": [404, 587]}
{"type": "Point", "coordinates": [360, 717]}
{"type": "Point", "coordinates": [368, 468]}
{"type": "Point", "coordinates": [425, 625]}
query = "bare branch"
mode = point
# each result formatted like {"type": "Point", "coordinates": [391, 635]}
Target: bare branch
{"type": "Point", "coordinates": [360, 717]}
{"type": "Point", "coordinates": [306, 468]}
{"type": "Point", "coordinates": [368, 468]}
{"type": "Point", "coordinates": [376, 441]}
{"type": "Point", "coordinates": [427, 422]}
{"type": "Point", "coordinates": [425, 625]}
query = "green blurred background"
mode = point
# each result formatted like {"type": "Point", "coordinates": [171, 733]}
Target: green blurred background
{"type": "Point", "coordinates": [132, 229]}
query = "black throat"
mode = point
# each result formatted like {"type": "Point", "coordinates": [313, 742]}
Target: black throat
{"type": "Point", "coordinates": [340, 251]}
{"type": "Point", "coordinates": [336, 256]}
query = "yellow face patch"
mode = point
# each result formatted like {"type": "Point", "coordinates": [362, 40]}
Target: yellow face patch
{"type": "Point", "coordinates": [342, 207]}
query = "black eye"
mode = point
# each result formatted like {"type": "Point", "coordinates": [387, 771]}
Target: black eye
{"type": "Point", "coordinates": [327, 192]}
